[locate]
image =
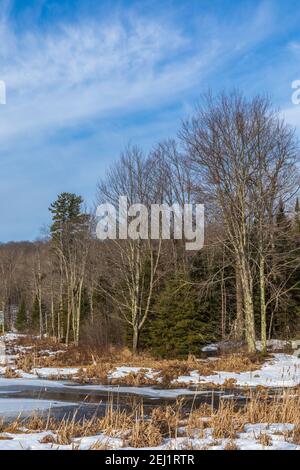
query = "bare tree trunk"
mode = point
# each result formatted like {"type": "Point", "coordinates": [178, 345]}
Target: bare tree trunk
{"type": "Point", "coordinates": [239, 325]}
{"type": "Point", "coordinates": [78, 311]}
{"type": "Point", "coordinates": [68, 319]}
{"type": "Point", "coordinates": [3, 310]}
{"type": "Point", "coordinates": [91, 305]}
{"type": "Point", "coordinates": [61, 303]}
{"type": "Point", "coordinates": [223, 304]}
{"type": "Point", "coordinates": [246, 282]}
{"type": "Point", "coordinates": [263, 313]}
{"type": "Point", "coordinates": [135, 340]}
{"type": "Point", "coordinates": [38, 281]}
{"type": "Point", "coordinates": [52, 316]}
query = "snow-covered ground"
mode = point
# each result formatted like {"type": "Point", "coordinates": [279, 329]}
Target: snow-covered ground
{"type": "Point", "coordinates": [283, 370]}
{"type": "Point", "coordinates": [2, 352]}
{"type": "Point", "coordinates": [55, 371]}
{"type": "Point", "coordinates": [32, 441]}
{"type": "Point", "coordinates": [123, 371]}
{"type": "Point", "coordinates": [249, 439]}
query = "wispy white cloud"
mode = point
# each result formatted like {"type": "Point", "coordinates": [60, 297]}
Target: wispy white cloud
{"type": "Point", "coordinates": [87, 69]}
{"type": "Point", "coordinates": [94, 68]}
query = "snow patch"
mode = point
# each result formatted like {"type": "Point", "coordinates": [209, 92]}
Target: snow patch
{"type": "Point", "coordinates": [55, 371]}
{"type": "Point", "coordinates": [282, 371]}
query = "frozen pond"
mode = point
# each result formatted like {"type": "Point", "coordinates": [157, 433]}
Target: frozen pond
{"type": "Point", "coordinates": [62, 398]}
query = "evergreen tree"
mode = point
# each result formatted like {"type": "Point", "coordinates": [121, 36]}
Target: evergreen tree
{"type": "Point", "coordinates": [204, 265]}
{"type": "Point", "coordinates": [179, 327]}
{"type": "Point", "coordinates": [287, 318]}
{"type": "Point", "coordinates": [68, 220]}
{"type": "Point", "coordinates": [66, 210]}
{"type": "Point", "coordinates": [35, 316]}
{"type": "Point", "coordinates": [21, 320]}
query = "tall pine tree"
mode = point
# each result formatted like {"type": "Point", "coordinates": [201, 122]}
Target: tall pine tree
{"type": "Point", "coordinates": [21, 320]}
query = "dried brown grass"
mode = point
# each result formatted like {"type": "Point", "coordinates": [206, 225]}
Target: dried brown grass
{"type": "Point", "coordinates": [295, 434]}
{"type": "Point", "coordinates": [228, 420]}
{"type": "Point", "coordinates": [231, 445]}
{"type": "Point", "coordinates": [95, 366]}
{"type": "Point", "coordinates": [143, 434]}
{"type": "Point", "coordinates": [116, 421]}
{"type": "Point", "coordinates": [139, 430]}
{"type": "Point", "coordinates": [281, 408]}
{"type": "Point", "coordinates": [11, 373]}
{"type": "Point", "coordinates": [239, 362]}
{"type": "Point", "coordinates": [224, 422]}
{"type": "Point", "coordinates": [48, 439]}
{"type": "Point", "coordinates": [100, 445]}
{"type": "Point", "coordinates": [265, 439]}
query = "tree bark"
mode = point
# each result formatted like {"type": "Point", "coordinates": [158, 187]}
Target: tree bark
{"type": "Point", "coordinates": [246, 282]}
{"type": "Point", "coordinates": [135, 340]}
{"type": "Point", "coordinates": [239, 325]}
{"type": "Point", "coordinates": [263, 313]}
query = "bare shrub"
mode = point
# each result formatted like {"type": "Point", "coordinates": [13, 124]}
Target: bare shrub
{"type": "Point", "coordinates": [265, 439]}
{"type": "Point", "coordinates": [231, 445]}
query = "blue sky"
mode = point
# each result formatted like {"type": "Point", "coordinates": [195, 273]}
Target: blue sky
{"type": "Point", "coordinates": [84, 78]}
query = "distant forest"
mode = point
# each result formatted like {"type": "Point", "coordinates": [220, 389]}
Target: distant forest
{"type": "Point", "coordinates": [237, 157]}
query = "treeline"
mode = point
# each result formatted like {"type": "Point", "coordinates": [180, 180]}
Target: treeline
{"type": "Point", "coordinates": [238, 158]}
